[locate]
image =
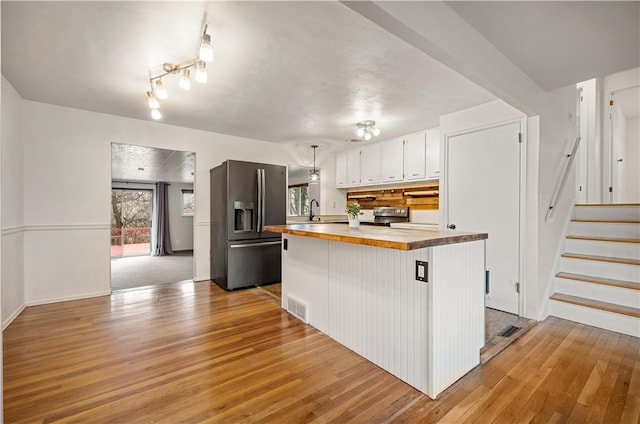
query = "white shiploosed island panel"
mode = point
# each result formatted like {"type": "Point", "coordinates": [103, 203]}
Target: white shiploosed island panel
{"type": "Point", "coordinates": [367, 298]}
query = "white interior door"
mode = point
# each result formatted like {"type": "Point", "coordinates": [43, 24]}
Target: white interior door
{"type": "Point", "coordinates": [624, 144]}
{"type": "Point", "coordinates": [483, 195]}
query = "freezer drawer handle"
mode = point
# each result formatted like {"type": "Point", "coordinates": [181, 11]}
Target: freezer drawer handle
{"type": "Point", "coordinates": [269, 243]}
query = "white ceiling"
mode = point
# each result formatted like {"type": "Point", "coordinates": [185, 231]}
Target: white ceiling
{"type": "Point", "coordinates": [286, 72]}
{"type": "Point", "coordinates": [139, 163]}
{"type": "Point", "coordinates": [558, 43]}
{"type": "Point", "coordinates": [298, 72]}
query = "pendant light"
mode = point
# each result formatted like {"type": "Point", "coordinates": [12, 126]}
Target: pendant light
{"type": "Point", "coordinates": [314, 176]}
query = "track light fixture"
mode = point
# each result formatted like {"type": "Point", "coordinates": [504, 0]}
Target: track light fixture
{"type": "Point", "coordinates": [367, 129]}
{"type": "Point", "coordinates": [158, 92]}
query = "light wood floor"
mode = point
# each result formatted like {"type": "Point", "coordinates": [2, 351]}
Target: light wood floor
{"type": "Point", "coordinates": [193, 353]}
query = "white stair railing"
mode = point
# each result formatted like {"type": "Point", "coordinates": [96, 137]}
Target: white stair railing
{"type": "Point", "coordinates": [563, 180]}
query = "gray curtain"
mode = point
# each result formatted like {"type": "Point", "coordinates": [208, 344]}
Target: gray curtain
{"type": "Point", "coordinates": [161, 241]}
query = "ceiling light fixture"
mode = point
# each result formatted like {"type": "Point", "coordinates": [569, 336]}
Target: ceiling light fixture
{"type": "Point", "coordinates": [201, 72]}
{"type": "Point", "coordinates": [314, 176]}
{"type": "Point", "coordinates": [157, 87]}
{"type": "Point", "coordinates": [185, 81]}
{"type": "Point", "coordinates": [153, 101]}
{"type": "Point", "coordinates": [206, 51]}
{"type": "Point", "coordinates": [367, 129]}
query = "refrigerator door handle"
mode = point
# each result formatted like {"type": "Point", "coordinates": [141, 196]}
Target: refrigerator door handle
{"type": "Point", "coordinates": [259, 202]}
{"type": "Point", "coordinates": [241, 246]}
{"type": "Point", "coordinates": [264, 202]}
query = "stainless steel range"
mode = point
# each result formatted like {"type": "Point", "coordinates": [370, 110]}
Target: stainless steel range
{"type": "Point", "coordinates": [385, 215]}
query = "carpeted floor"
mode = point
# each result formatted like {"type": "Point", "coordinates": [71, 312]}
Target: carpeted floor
{"type": "Point", "coordinates": [137, 271]}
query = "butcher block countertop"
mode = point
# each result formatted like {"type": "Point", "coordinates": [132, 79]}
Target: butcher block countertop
{"type": "Point", "coordinates": [378, 236]}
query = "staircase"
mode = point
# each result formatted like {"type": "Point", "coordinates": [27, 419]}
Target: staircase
{"type": "Point", "coordinates": [599, 282]}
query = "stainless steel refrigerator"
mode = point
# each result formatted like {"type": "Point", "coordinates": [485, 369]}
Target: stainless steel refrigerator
{"type": "Point", "coordinates": [246, 196]}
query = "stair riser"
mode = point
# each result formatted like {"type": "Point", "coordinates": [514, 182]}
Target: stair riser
{"type": "Point", "coordinates": [603, 248]}
{"type": "Point", "coordinates": [601, 292]}
{"type": "Point", "coordinates": [605, 229]}
{"type": "Point", "coordinates": [595, 317]}
{"type": "Point", "coordinates": [601, 269]}
{"type": "Point", "coordinates": [618, 213]}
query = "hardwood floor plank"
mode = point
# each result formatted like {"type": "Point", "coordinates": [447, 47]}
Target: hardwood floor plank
{"type": "Point", "coordinates": [193, 353]}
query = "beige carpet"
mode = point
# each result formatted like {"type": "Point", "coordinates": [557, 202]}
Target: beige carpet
{"type": "Point", "coordinates": [138, 271]}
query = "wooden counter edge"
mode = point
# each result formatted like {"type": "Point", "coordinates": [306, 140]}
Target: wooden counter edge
{"type": "Point", "coordinates": [389, 244]}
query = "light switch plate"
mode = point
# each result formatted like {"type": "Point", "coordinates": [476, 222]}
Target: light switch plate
{"type": "Point", "coordinates": [422, 271]}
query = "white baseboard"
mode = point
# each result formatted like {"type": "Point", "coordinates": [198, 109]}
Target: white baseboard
{"type": "Point", "coordinates": [13, 316]}
{"type": "Point", "coordinates": [68, 298]}
{"type": "Point", "coordinates": [196, 279]}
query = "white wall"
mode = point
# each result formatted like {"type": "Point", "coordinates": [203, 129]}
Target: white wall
{"type": "Point", "coordinates": [12, 200]}
{"type": "Point", "coordinates": [180, 226]}
{"type": "Point", "coordinates": [557, 134]}
{"type": "Point", "coordinates": [632, 151]}
{"type": "Point", "coordinates": [67, 183]}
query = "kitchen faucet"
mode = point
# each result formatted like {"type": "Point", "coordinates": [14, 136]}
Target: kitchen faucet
{"type": "Point", "coordinates": [311, 215]}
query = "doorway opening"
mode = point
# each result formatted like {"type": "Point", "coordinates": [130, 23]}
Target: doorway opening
{"type": "Point", "coordinates": [624, 147]}
{"type": "Point", "coordinates": [152, 212]}
{"type": "Point", "coordinates": [131, 211]}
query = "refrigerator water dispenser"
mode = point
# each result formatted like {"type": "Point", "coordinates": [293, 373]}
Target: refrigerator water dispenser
{"type": "Point", "coordinates": [243, 220]}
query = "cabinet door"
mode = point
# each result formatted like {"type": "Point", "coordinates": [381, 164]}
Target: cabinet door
{"type": "Point", "coordinates": [370, 164]}
{"type": "Point", "coordinates": [341, 169]}
{"type": "Point", "coordinates": [353, 168]}
{"type": "Point", "coordinates": [415, 157]}
{"type": "Point", "coordinates": [392, 163]}
{"type": "Point", "coordinates": [433, 153]}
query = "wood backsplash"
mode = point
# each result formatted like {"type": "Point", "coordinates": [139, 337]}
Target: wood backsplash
{"type": "Point", "coordinates": [424, 195]}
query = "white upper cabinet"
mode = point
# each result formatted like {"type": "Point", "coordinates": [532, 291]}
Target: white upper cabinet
{"type": "Point", "coordinates": [370, 164]}
{"type": "Point", "coordinates": [392, 160]}
{"type": "Point", "coordinates": [341, 170]}
{"type": "Point", "coordinates": [353, 168]}
{"type": "Point", "coordinates": [433, 153]}
{"type": "Point", "coordinates": [415, 156]}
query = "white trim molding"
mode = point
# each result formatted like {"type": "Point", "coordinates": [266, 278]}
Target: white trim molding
{"type": "Point", "coordinates": [66, 227]}
{"type": "Point", "coordinates": [68, 298]}
{"type": "Point", "coordinates": [15, 229]}
{"type": "Point", "coordinates": [13, 316]}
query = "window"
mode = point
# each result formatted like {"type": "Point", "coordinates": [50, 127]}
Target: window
{"type": "Point", "coordinates": [188, 203]}
{"type": "Point", "coordinates": [299, 199]}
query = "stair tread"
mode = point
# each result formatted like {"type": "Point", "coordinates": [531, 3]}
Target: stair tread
{"type": "Point", "coordinates": [596, 304]}
{"type": "Point", "coordinates": [596, 238]}
{"type": "Point", "coordinates": [613, 221]}
{"type": "Point", "coordinates": [599, 280]}
{"type": "Point", "coordinates": [625, 261]}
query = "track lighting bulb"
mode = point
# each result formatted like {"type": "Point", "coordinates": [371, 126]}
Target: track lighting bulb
{"type": "Point", "coordinates": [153, 101]}
{"type": "Point", "coordinates": [367, 136]}
{"type": "Point", "coordinates": [185, 81]}
{"type": "Point", "coordinates": [360, 132]}
{"type": "Point", "coordinates": [206, 51]}
{"type": "Point", "coordinates": [155, 114]}
{"type": "Point", "coordinates": [375, 131]}
{"type": "Point", "coordinates": [161, 92]}
{"type": "Point", "coordinates": [201, 72]}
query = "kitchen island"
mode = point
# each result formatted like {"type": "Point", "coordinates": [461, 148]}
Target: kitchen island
{"type": "Point", "coordinates": [410, 301]}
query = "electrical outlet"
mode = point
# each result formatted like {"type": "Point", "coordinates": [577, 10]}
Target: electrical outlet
{"type": "Point", "coordinates": [422, 271]}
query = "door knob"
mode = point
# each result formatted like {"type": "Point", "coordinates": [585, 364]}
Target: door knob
{"type": "Point", "coordinates": [451, 226]}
